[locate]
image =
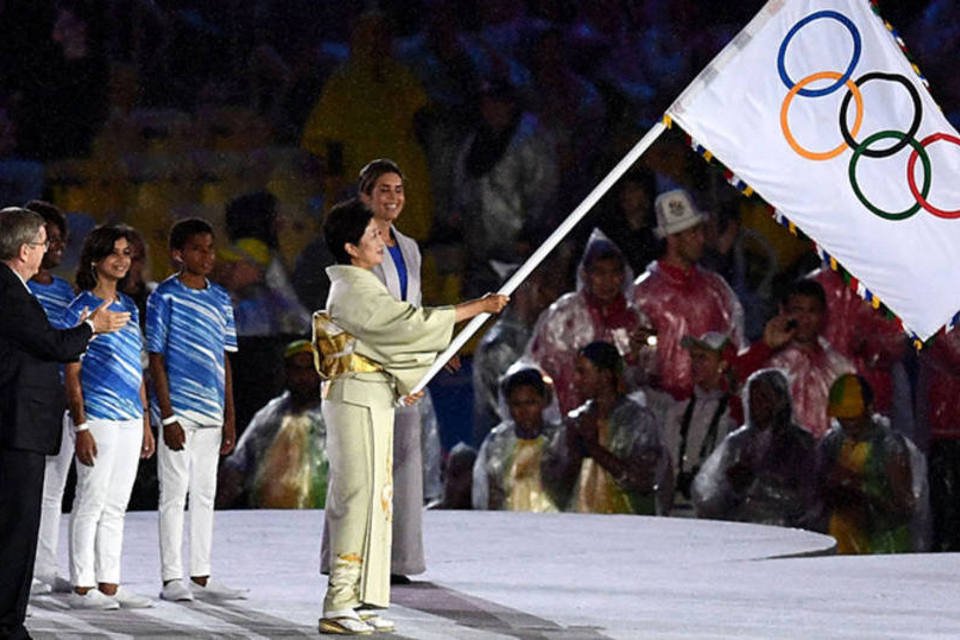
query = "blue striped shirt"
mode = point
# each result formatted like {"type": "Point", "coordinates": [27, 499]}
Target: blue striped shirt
{"type": "Point", "coordinates": [54, 298]}
{"type": "Point", "coordinates": [110, 371]}
{"type": "Point", "coordinates": [191, 329]}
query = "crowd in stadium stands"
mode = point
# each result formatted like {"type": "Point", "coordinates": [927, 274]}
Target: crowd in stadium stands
{"type": "Point", "coordinates": [679, 354]}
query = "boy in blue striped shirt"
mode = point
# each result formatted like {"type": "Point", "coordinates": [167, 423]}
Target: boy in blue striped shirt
{"type": "Point", "coordinates": [190, 327]}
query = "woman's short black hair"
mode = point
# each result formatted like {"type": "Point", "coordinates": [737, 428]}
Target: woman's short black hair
{"type": "Point", "coordinates": [345, 223]}
{"type": "Point", "coordinates": [98, 245]}
{"type": "Point", "coordinates": [524, 378]}
{"type": "Point", "coordinates": [372, 172]}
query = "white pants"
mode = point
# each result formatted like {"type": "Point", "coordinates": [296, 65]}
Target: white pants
{"type": "Point", "coordinates": [54, 480]}
{"type": "Point", "coordinates": [103, 491]}
{"type": "Point", "coordinates": [193, 469]}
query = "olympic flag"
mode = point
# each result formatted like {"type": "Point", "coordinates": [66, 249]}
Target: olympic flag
{"type": "Point", "coordinates": [816, 107]}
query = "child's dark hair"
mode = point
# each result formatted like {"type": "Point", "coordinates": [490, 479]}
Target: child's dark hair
{"type": "Point", "coordinates": [98, 245]}
{"type": "Point", "coordinates": [345, 223]}
{"type": "Point", "coordinates": [524, 378]}
{"type": "Point", "coordinates": [183, 230]}
{"type": "Point", "coordinates": [51, 214]}
{"type": "Point", "coordinates": [372, 172]}
{"type": "Point", "coordinates": [604, 356]}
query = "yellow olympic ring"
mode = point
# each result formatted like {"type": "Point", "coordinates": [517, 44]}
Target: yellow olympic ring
{"type": "Point", "coordinates": [785, 109]}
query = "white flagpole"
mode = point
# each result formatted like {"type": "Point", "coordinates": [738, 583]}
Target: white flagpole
{"type": "Point", "coordinates": [544, 250]}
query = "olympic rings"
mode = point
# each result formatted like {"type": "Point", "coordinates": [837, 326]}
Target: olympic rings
{"type": "Point", "coordinates": [841, 78]}
{"type": "Point", "coordinates": [902, 139]}
{"type": "Point", "coordinates": [914, 126]}
{"type": "Point", "coordinates": [917, 150]}
{"type": "Point", "coordinates": [798, 88]}
{"type": "Point", "coordinates": [922, 198]}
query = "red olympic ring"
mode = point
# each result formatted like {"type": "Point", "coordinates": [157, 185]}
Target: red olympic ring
{"type": "Point", "coordinates": [940, 213]}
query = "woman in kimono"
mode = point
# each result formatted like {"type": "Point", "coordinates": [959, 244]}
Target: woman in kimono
{"type": "Point", "coordinates": [372, 350]}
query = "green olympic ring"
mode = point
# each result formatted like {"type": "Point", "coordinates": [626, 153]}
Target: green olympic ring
{"type": "Point", "coordinates": [862, 148]}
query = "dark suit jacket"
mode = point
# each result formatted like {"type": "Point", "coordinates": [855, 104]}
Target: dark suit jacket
{"type": "Point", "coordinates": [32, 400]}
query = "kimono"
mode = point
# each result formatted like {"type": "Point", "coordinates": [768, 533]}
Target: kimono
{"type": "Point", "coordinates": [372, 350]}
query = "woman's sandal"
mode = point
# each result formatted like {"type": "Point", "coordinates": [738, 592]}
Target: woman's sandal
{"type": "Point", "coordinates": [345, 626]}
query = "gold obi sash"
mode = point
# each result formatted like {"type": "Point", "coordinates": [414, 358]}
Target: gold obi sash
{"type": "Point", "coordinates": [334, 353]}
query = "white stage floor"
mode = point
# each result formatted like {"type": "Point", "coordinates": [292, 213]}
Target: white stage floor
{"type": "Point", "coordinates": [545, 577]}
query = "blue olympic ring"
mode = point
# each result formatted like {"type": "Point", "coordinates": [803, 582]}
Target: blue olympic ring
{"type": "Point", "coordinates": [842, 80]}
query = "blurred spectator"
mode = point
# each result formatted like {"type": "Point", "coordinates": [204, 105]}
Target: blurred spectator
{"type": "Point", "coordinates": [367, 110]}
{"type": "Point", "coordinates": [281, 461]}
{"type": "Point", "coordinates": [629, 222]}
{"type": "Point", "coordinates": [253, 216]}
{"type": "Point", "coordinates": [864, 475]}
{"type": "Point", "coordinates": [504, 342]}
{"type": "Point", "coordinates": [571, 109]}
{"type": "Point", "coordinates": [268, 313]}
{"type": "Point", "coordinates": [694, 427]}
{"type": "Point", "coordinates": [505, 176]}
{"type": "Point", "coordinates": [938, 390]}
{"type": "Point", "coordinates": [598, 310]}
{"type": "Point", "coordinates": [457, 479]}
{"type": "Point", "coordinates": [682, 298]}
{"type": "Point", "coordinates": [608, 457]}
{"type": "Point", "coordinates": [64, 100]}
{"type": "Point", "coordinates": [810, 362]}
{"type": "Point", "coordinates": [764, 471]}
{"type": "Point", "coordinates": [745, 259]}
{"type": "Point", "coordinates": [876, 346]}
{"type": "Point", "coordinates": [506, 475]}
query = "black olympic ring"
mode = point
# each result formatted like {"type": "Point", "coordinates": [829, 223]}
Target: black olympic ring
{"type": "Point", "coordinates": [911, 132]}
{"type": "Point", "coordinates": [862, 149]}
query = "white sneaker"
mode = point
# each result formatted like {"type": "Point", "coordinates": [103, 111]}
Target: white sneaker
{"type": "Point", "coordinates": [55, 582]}
{"type": "Point", "coordinates": [176, 591]}
{"type": "Point", "coordinates": [93, 599]}
{"type": "Point", "coordinates": [38, 588]}
{"type": "Point", "coordinates": [130, 600]}
{"type": "Point", "coordinates": [216, 591]}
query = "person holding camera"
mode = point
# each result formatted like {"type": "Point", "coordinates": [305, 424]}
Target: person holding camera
{"type": "Point", "coordinates": [695, 426]}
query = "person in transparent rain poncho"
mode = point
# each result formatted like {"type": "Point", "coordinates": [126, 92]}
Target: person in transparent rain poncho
{"type": "Point", "coordinates": [507, 474]}
{"type": "Point", "coordinates": [872, 480]}
{"type": "Point", "coordinates": [281, 460]}
{"type": "Point", "coordinates": [607, 457]}
{"type": "Point", "coordinates": [764, 471]}
{"type": "Point", "coordinates": [597, 310]}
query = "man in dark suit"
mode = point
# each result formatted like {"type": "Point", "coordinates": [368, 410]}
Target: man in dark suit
{"type": "Point", "coordinates": [31, 403]}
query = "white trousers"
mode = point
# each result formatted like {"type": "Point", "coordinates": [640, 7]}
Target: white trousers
{"type": "Point", "coordinates": [54, 480]}
{"type": "Point", "coordinates": [191, 470]}
{"type": "Point", "coordinates": [103, 491]}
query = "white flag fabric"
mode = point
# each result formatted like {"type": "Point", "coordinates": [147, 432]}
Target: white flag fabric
{"type": "Point", "coordinates": [816, 107]}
